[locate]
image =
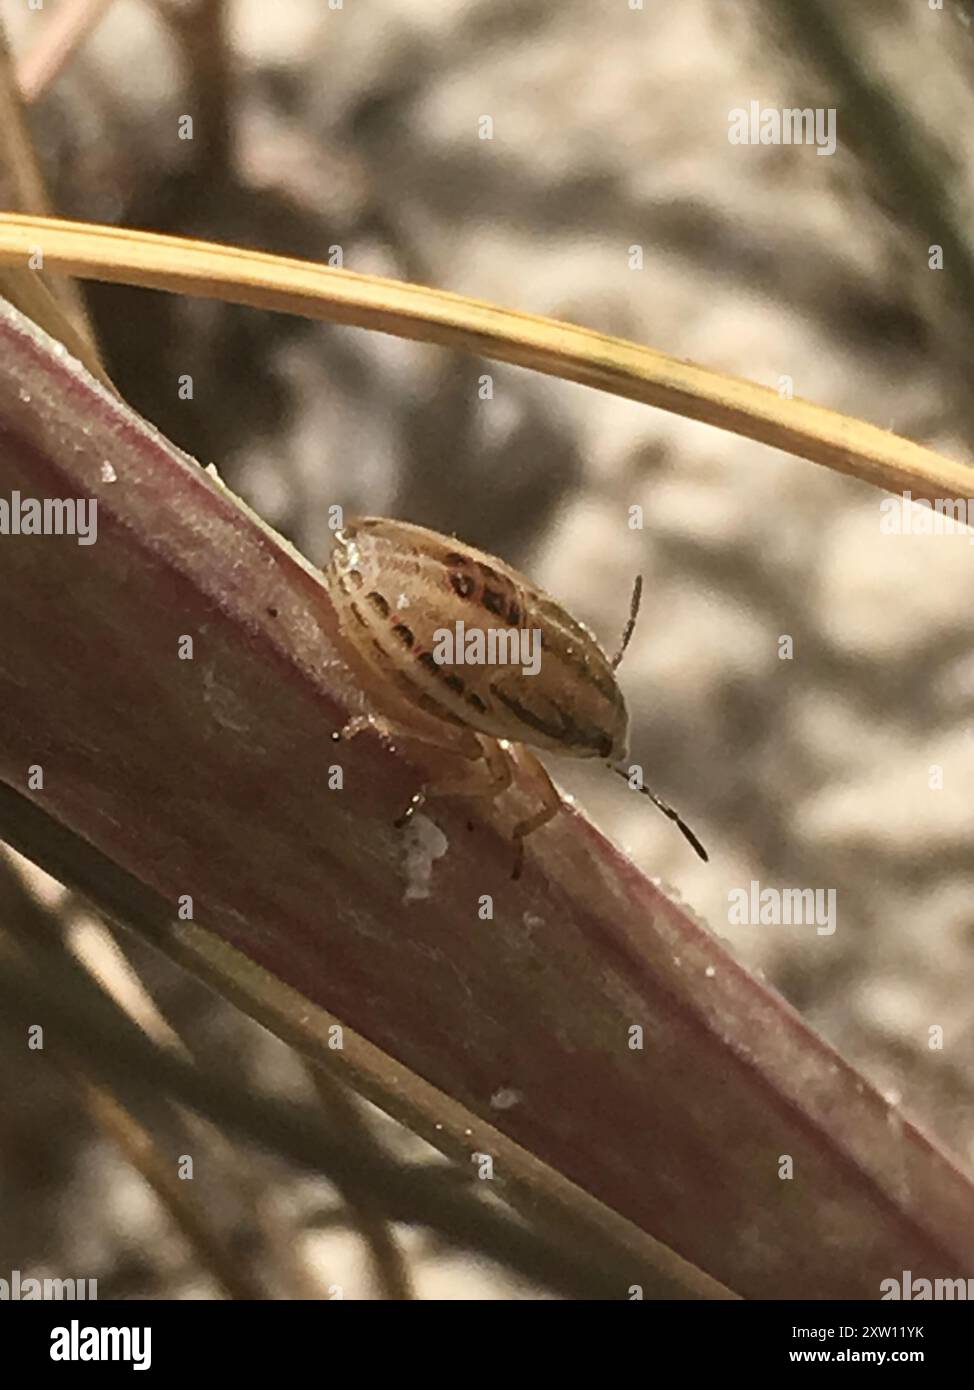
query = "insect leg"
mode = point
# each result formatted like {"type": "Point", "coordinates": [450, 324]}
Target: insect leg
{"type": "Point", "coordinates": [469, 781]}
{"type": "Point", "coordinates": [549, 808]}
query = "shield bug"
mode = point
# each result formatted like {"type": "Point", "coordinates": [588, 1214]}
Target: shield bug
{"type": "Point", "coordinates": [467, 654]}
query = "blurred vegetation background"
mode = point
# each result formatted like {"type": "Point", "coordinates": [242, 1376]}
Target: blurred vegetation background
{"type": "Point", "coordinates": [360, 128]}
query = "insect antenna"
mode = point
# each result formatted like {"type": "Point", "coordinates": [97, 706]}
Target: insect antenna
{"type": "Point", "coordinates": [668, 811]}
{"type": "Point", "coordinates": [637, 593]}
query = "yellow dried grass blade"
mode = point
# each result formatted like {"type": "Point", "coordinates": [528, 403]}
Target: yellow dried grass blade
{"type": "Point", "coordinates": [563, 350]}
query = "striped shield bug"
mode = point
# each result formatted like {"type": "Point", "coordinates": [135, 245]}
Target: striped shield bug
{"type": "Point", "coordinates": [467, 654]}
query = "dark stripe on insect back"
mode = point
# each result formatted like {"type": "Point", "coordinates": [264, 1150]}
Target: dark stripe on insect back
{"type": "Point", "coordinates": [355, 580]}
{"type": "Point", "coordinates": [415, 692]}
{"type": "Point", "coordinates": [417, 695]}
{"type": "Point", "coordinates": [404, 634]}
{"type": "Point", "coordinates": [463, 585]}
{"type": "Point", "coordinates": [345, 585]}
{"type": "Point", "coordinates": [499, 594]}
{"type": "Point", "coordinates": [467, 562]}
{"type": "Point", "coordinates": [348, 580]}
{"type": "Point", "coordinates": [399, 628]}
{"type": "Point", "coordinates": [605, 684]}
{"type": "Point", "coordinates": [452, 682]}
{"type": "Point", "coordinates": [493, 600]}
{"type": "Point", "coordinates": [493, 595]}
{"type": "Point", "coordinates": [565, 731]}
{"type": "Point", "coordinates": [496, 602]}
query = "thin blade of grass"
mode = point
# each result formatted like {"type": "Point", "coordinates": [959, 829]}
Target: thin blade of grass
{"type": "Point", "coordinates": [564, 350]}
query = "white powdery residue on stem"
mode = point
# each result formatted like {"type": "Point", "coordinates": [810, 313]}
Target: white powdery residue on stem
{"type": "Point", "coordinates": [423, 843]}
{"type": "Point", "coordinates": [505, 1099]}
{"type": "Point", "coordinates": [223, 703]}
